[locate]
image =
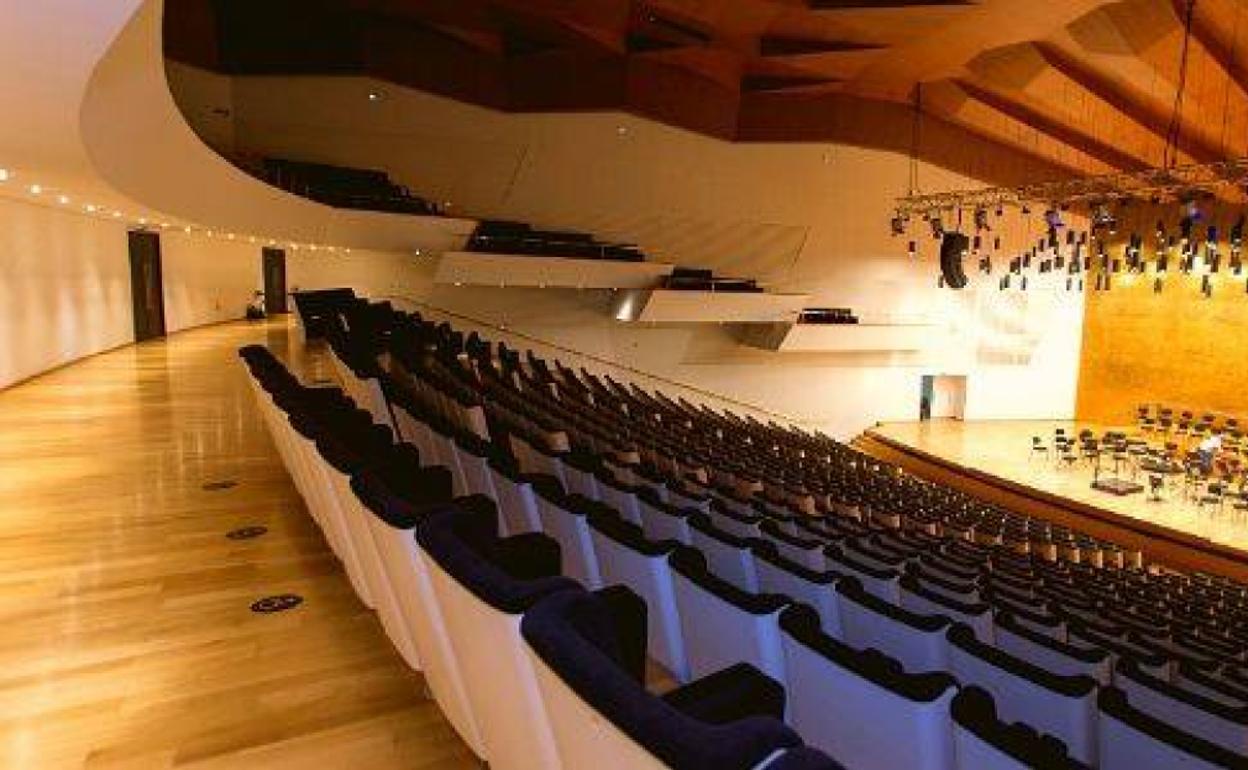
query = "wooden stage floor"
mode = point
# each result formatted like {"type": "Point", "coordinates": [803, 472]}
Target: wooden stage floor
{"type": "Point", "coordinates": [126, 639]}
{"type": "Point", "coordinates": [997, 454]}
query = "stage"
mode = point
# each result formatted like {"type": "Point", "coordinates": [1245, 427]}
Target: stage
{"type": "Point", "coordinates": [993, 460]}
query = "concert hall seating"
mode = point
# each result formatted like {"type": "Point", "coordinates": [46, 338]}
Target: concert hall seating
{"type": "Point", "coordinates": [341, 187]}
{"type": "Point", "coordinates": [500, 237]}
{"type": "Point", "coordinates": [897, 622]}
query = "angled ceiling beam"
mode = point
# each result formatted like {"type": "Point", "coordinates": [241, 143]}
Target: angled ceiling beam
{"type": "Point", "coordinates": [947, 100]}
{"type": "Point", "coordinates": [785, 45]}
{"type": "Point", "coordinates": [1151, 116]}
{"type": "Point", "coordinates": [1045, 123]}
{"type": "Point", "coordinates": [828, 5]}
{"type": "Point", "coordinates": [1211, 34]}
{"type": "Point", "coordinates": [779, 82]}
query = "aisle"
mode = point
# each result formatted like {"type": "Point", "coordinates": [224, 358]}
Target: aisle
{"type": "Point", "coordinates": [126, 638]}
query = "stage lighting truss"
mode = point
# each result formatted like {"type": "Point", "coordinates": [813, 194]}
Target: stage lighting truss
{"type": "Point", "coordinates": [1181, 183]}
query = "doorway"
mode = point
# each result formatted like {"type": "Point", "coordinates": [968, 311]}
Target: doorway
{"type": "Point", "coordinates": [274, 281]}
{"type": "Point", "coordinates": [942, 397]}
{"type": "Point", "coordinates": [147, 290]}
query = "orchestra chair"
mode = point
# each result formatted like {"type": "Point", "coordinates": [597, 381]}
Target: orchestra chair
{"type": "Point", "coordinates": [1156, 483]}
{"type": "Point", "coordinates": [1214, 494]}
{"type": "Point", "coordinates": [1038, 448]}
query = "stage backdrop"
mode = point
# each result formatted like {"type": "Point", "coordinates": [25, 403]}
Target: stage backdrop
{"type": "Point", "coordinates": [1175, 347]}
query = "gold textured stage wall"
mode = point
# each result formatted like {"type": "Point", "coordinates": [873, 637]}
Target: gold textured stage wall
{"type": "Point", "coordinates": [1176, 347]}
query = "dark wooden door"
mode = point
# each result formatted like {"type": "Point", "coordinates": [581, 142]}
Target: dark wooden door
{"type": "Point", "coordinates": [274, 281]}
{"type": "Point", "coordinates": [146, 286]}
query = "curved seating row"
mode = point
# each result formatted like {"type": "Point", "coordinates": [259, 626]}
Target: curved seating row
{"type": "Point", "coordinates": [531, 669]}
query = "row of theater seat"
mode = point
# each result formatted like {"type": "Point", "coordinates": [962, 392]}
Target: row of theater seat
{"type": "Point", "coordinates": [606, 512]}
{"type": "Point", "coordinates": [532, 670]}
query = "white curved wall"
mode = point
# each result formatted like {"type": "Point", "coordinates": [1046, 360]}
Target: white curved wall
{"type": "Point", "coordinates": [808, 217]}
{"type": "Point", "coordinates": [802, 217]}
{"type": "Point", "coordinates": [87, 114]}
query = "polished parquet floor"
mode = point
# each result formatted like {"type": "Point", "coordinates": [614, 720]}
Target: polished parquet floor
{"type": "Point", "coordinates": [126, 639]}
{"type": "Point", "coordinates": [1002, 449]}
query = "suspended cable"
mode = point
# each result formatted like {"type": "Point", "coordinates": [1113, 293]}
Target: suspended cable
{"type": "Point", "coordinates": [1226, 93]}
{"type": "Point", "coordinates": [1170, 156]}
{"type": "Point", "coordinates": [916, 137]}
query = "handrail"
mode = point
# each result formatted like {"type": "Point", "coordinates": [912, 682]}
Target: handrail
{"type": "Point", "coordinates": [701, 394]}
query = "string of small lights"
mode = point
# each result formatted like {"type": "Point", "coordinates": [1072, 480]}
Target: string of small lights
{"type": "Point", "coordinates": [21, 185]}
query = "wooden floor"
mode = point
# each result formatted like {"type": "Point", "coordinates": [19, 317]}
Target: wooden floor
{"type": "Point", "coordinates": [126, 639]}
{"type": "Point", "coordinates": [1001, 450]}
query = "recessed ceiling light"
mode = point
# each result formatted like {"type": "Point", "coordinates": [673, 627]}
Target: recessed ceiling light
{"type": "Point", "coordinates": [230, 236]}
{"type": "Point", "coordinates": [621, 130]}
{"type": "Point", "coordinates": [36, 189]}
{"type": "Point", "coordinates": [5, 175]}
{"type": "Point", "coordinates": [374, 96]}
{"type": "Point", "coordinates": [186, 229]}
{"type": "Point", "coordinates": [116, 215]}
{"type": "Point", "coordinates": [90, 208]}
{"type": "Point", "coordinates": [142, 220]}
{"type": "Point", "coordinates": [62, 199]}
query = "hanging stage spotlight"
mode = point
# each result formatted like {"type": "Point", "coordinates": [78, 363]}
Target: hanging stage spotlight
{"type": "Point", "coordinates": [1053, 219]}
{"type": "Point", "coordinates": [898, 225]}
{"type": "Point", "coordinates": [1104, 219]}
{"type": "Point", "coordinates": [1212, 257]}
{"type": "Point", "coordinates": [953, 249]}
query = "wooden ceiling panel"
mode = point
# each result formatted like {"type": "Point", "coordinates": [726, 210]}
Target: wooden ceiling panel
{"type": "Point", "coordinates": [1084, 85]}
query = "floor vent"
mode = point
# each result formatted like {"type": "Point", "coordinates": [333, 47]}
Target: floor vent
{"type": "Point", "coordinates": [278, 603]}
{"type": "Point", "coordinates": [246, 533]}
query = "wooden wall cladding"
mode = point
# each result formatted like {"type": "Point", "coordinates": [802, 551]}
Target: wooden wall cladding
{"type": "Point", "coordinates": [1176, 347]}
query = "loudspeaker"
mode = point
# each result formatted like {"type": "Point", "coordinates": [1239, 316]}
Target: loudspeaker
{"type": "Point", "coordinates": [953, 248]}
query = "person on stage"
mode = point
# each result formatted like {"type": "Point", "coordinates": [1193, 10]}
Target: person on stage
{"type": "Point", "coordinates": [1208, 451]}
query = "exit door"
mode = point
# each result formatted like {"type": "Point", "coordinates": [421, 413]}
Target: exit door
{"type": "Point", "coordinates": [147, 290]}
{"type": "Point", "coordinates": [274, 281]}
{"type": "Point", "coordinates": [942, 396]}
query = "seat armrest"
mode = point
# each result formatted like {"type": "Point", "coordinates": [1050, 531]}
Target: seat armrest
{"type": "Point", "coordinates": [734, 693]}
{"type": "Point", "coordinates": [628, 611]}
